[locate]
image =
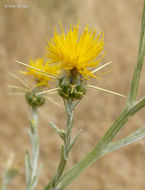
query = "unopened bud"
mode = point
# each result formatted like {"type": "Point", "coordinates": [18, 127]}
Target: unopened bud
{"type": "Point", "coordinates": [72, 87]}
{"type": "Point", "coordinates": [34, 100]}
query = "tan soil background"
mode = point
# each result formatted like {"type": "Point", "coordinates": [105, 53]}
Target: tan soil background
{"type": "Point", "coordinates": [23, 34]}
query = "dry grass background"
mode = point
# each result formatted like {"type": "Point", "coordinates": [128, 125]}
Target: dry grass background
{"type": "Point", "coordinates": [23, 34]}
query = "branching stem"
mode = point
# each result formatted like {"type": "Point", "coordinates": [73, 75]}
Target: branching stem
{"type": "Point", "coordinates": [66, 147]}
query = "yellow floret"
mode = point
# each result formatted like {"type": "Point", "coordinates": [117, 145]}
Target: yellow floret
{"type": "Point", "coordinates": [44, 67]}
{"type": "Point", "coordinates": [74, 52]}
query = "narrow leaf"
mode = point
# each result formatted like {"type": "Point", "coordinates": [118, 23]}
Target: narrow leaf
{"type": "Point", "coordinates": [60, 132]}
{"type": "Point", "coordinates": [74, 139]}
{"type": "Point", "coordinates": [137, 72]}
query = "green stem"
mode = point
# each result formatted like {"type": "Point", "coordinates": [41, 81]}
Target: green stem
{"type": "Point", "coordinates": [31, 163]}
{"type": "Point", "coordinates": [67, 141]}
{"type": "Point", "coordinates": [101, 146]}
{"type": "Point", "coordinates": [35, 142]}
{"type": "Point", "coordinates": [133, 137]}
{"type": "Point", "coordinates": [69, 105]}
{"type": "Point", "coordinates": [140, 59]}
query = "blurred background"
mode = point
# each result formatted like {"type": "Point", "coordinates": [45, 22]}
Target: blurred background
{"type": "Point", "coordinates": [24, 27]}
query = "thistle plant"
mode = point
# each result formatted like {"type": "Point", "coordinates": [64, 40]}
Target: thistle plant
{"type": "Point", "coordinates": [72, 60]}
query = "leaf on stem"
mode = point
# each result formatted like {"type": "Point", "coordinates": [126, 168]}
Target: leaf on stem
{"type": "Point", "coordinates": [60, 132]}
{"type": "Point", "coordinates": [74, 139]}
{"type": "Point", "coordinates": [133, 137]}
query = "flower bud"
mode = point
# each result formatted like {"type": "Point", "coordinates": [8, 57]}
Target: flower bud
{"type": "Point", "coordinates": [72, 86]}
{"type": "Point", "coordinates": [34, 100]}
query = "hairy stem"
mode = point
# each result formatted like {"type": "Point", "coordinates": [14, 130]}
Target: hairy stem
{"type": "Point", "coordinates": [101, 146]}
{"type": "Point", "coordinates": [69, 105]}
{"type": "Point", "coordinates": [140, 59]}
{"type": "Point", "coordinates": [31, 163]}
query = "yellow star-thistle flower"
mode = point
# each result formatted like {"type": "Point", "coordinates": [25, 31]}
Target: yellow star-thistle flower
{"type": "Point", "coordinates": [41, 78]}
{"type": "Point", "coordinates": [74, 52]}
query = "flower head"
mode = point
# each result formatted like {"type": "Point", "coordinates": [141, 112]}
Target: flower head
{"type": "Point", "coordinates": [76, 52]}
{"type": "Point", "coordinates": [37, 69]}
